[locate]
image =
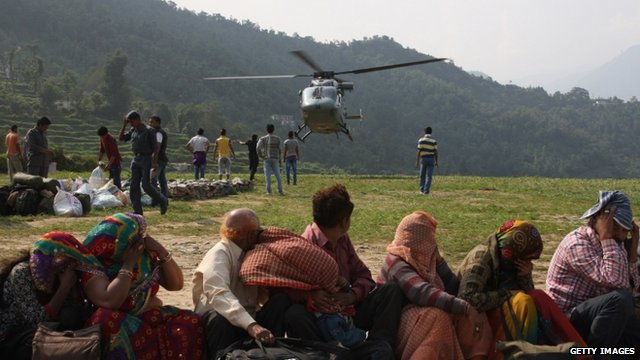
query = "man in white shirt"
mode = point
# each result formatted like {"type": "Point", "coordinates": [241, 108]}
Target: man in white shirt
{"type": "Point", "coordinates": [231, 310]}
{"type": "Point", "coordinates": [199, 146]}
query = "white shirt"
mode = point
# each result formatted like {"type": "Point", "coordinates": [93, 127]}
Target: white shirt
{"type": "Point", "coordinates": [217, 286]}
{"type": "Point", "coordinates": [199, 143]}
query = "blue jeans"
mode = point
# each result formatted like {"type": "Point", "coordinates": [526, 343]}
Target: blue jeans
{"type": "Point", "coordinates": [114, 173]}
{"type": "Point", "coordinates": [291, 163]}
{"type": "Point", "coordinates": [140, 168]}
{"type": "Point", "coordinates": [608, 320]}
{"type": "Point", "coordinates": [161, 177]}
{"type": "Point", "coordinates": [427, 164]}
{"type": "Point", "coordinates": [271, 166]}
{"type": "Point", "coordinates": [199, 170]}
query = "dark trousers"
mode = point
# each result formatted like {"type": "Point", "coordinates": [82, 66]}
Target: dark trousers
{"type": "Point", "coordinates": [608, 320]}
{"type": "Point", "coordinates": [379, 313]}
{"type": "Point", "coordinates": [140, 175]}
{"type": "Point", "coordinates": [220, 333]}
{"type": "Point", "coordinates": [114, 173]}
{"type": "Point", "coordinates": [161, 179]}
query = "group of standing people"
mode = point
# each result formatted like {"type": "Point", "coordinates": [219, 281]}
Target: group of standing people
{"type": "Point", "coordinates": [36, 150]}
{"type": "Point", "coordinates": [270, 148]}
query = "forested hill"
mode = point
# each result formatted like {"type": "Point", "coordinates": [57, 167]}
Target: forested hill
{"type": "Point", "coordinates": [103, 57]}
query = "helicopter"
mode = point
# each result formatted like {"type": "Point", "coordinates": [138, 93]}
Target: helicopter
{"type": "Point", "coordinates": [322, 102]}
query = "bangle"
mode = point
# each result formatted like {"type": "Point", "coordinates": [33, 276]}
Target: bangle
{"type": "Point", "coordinates": [167, 258]}
{"type": "Point", "coordinates": [127, 273]}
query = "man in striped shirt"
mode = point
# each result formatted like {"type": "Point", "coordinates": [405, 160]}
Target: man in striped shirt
{"type": "Point", "coordinates": [427, 159]}
{"type": "Point", "coordinates": [270, 150]}
{"type": "Point", "coordinates": [594, 272]}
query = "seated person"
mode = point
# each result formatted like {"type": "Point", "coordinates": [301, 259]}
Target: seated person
{"type": "Point", "coordinates": [135, 324]}
{"type": "Point", "coordinates": [594, 273]}
{"type": "Point", "coordinates": [40, 286]}
{"type": "Point", "coordinates": [496, 277]}
{"type": "Point", "coordinates": [231, 310]}
{"type": "Point", "coordinates": [376, 310]}
{"type": "Point", "coordinates": [436, 321]}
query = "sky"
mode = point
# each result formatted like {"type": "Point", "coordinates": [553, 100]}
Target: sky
{"type": "Point", "coordinates": [513, 41]}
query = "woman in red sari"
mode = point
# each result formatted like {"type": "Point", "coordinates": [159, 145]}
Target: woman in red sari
{"type": "Point", "coordinates": [135, 323]}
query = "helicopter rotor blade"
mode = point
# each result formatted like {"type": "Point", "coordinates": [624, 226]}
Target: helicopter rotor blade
{"type": "Point", "coordinates": [254, 77]}
{"type": "Point", "coordinates": [304, 57]}
{"type": "Point", "coordinates": [392, 66]}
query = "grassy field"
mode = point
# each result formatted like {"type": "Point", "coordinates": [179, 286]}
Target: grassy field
{"type": "Point", "coordinates": [468, 209]}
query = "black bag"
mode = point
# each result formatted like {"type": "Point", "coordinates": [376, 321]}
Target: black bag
{"type": "Point", "coordinates": [283, 348]}
{"type": "Point", "coordinates": [517, 349]}
{"type": "Point", "coordinates": [27, 202]}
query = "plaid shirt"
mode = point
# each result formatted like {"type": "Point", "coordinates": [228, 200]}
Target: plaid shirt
{"type": "Point", "coordinates": [584, 267]}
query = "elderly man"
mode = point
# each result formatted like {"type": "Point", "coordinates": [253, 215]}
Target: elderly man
{"type": "Point", "coordinates": [230, 309]}
{"type": "Point", "coordinates": [377, 310]}
{"type": "Point", "coordinates": [594, 272]}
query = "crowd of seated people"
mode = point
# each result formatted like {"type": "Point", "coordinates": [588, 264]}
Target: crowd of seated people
{"type": "Point", "coordinates": [264, 283]}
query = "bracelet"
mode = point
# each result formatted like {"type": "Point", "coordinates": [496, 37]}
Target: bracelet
{"type": "Point", "coordinates": [127, 273]}
{"type": "Point", "coordinates": [167, 258]}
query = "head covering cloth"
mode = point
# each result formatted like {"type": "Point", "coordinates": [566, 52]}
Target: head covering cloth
{"type": "Point", "coordinates": [518, 240]}
{"type": "Point", "coordinates": [108, 241]}
{"type": "Point", "coordinates": [415, 243]}
{"type": "Point", "coordinates": [55, 252]}
{"type": "Point", "coordinates": [607, 199]}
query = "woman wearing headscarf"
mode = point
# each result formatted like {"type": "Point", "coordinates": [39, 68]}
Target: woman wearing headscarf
{"type": "Point", "coordinates": [436, 324]}
{"type": "Point", "coordinates": [41, 286]}
{"type": "Point", "coordinates": [496, 277]}
{"type": "Point", "coordinates": [133, 318]}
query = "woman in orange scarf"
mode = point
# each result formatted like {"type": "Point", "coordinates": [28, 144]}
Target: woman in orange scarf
{"type": "Point", "coordinates": [436, 324]}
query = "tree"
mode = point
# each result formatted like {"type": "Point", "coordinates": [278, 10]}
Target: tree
{"type": "Point", "coordinates": [117, 94]}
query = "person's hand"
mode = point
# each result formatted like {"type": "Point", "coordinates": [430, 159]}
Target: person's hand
{"type": "Point", "coordinates": [525, 267]}
{"type": "Point", "coordinates": [125, 121]}
{"type": "Point", "coordinates": [154, 171]}
{"type": "Point", "coordinates": [68, 278]}
{"type": "Point", "coordinates": [153, 245]}
{"type": "Point", "coordinates": [261, 334]}
{"type": "Point", "coordinates": [631, 244]}
{"type": "Point", "coordinates": [604, 224]}
{"type": "Point", "coordinates": [131, 254]}
{"type": "Point", "coordinates": [341, 282]}
{"type": "Point", "coordinates": [323, 300]}
{"type": "Point", "coordinates": [344, 298]}
{"type": "Point", "coordinates": [476, 319]}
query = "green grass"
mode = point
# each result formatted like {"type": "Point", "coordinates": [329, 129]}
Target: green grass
{"type": "Point", "coordinates": [468, 209]}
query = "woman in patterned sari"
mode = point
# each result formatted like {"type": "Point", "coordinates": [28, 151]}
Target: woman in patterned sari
{"type": "Point", "coordinates": [133, 318]}
{"type": "Point", "coordinates": [496, 277]}
{"type": "Point", "coordinates": [435, 324]}
{"type": "Point", "coordinates": [41, 286]}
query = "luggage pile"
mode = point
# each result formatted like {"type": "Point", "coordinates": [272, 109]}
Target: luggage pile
{"type": "Point", "coordinates": [206, 188]}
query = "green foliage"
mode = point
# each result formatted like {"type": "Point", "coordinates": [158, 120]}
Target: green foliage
{"type": "Point", "coordinates": [150, 55]}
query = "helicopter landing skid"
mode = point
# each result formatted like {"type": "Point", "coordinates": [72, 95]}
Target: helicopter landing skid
{"type": "Point", "coordinates": [300, 128]}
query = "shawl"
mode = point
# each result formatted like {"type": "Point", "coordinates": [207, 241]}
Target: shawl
{"type": "Point", "coordinates": [415, 243]}
{"type": "Point", "coordinates": [282, 258]}
{"type": "Point", "coordinates": [518, 240]}
{"type": "Point", "coordinates": [623, 214]}
{"type": "Point", "coordinates": [108, 241]}
{"type": "Point", "coordinates": [55, 252]}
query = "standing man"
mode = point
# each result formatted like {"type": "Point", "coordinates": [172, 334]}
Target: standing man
{"type": "Point", "coordinates": [291, 156]}
{"type": "Point", "coordinates": [230, 309]}
{"type": "Point", "coordinates": [38, 154]}
{"type": "Point", "coordinates": [199, 147]}
{"type": "Point", "coordinates": [253, 155]}
{"type": "Point", "coordinates": [14, 152]}
{"type": "Point", "coordinates": [143, 145]}
{"type": "Point", "coordinates": [270, 150]}
{"type": "Point", "coordinates": [594, 273]}
{"type": "Point", "coordinates": [109, 147]}
{"type": "Point", "coordinates": [427, 159]}
{"type": "Point", "coordinates": [225, 153]}
{"type": "Point", "coordinates": [161, 154]}
{"type": "Point", "coordinates": [377, 310]}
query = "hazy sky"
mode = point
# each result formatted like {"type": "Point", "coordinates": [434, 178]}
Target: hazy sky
{"type": "Point", "coordinates": [510, 40]}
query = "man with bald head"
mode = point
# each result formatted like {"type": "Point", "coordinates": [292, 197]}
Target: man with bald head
{"type": "Point", "coordinates": [230, 309]}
